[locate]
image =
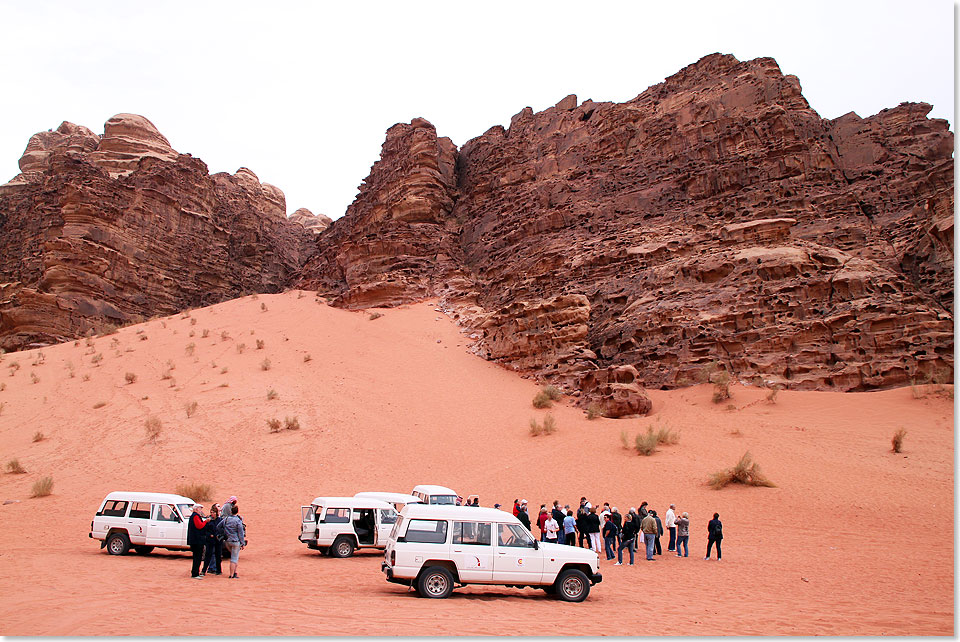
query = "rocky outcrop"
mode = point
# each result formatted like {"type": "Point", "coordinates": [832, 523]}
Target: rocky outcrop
{"type": "Point", "coordinates": [316, 223]}
{"type": "Point", "coordinates": [101, 231]}
{"type": "Point", "coordinates": [614, 392]}
{"type": "Point", "coordinates": [715, 217]}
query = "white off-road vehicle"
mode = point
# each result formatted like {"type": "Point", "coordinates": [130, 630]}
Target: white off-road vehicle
{"type": "Point", "coordinates": [399, 500]}
{"type": "Point", "coordinates": [341, 525]}
{"type": "Point", "coordinates": [431, 494]}
{"type": "Point", "coordinates": [143, 521]}
{"type": "Point", "coordinates": [435, 549]}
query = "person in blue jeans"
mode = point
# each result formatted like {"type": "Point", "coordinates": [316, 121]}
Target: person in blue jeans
{"type": "Point", "coordinates": [649, 528]}
{"type": "Point", "coordinates": [628, 536]}
{"type": "Point", "coordinates": [683, 534]}
{"type": "Point", "coordinates": [609, 536]}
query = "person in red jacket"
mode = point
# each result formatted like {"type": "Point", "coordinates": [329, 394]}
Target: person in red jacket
{"type": "Point", "coordinates": [542, 522]}
{"type": "Point", "coordinates": [196, 527]}
{"type": "Point", "coordinates": [516, 507]}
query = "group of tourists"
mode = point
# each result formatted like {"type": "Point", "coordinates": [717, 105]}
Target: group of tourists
{"type": "Point", "coordinates": [639, 527]}
{"type": "Point", "coordinates": [208, 535]}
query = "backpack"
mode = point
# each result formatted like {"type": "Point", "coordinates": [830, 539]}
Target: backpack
{"type": "Point", "coordinates": [221, 531]}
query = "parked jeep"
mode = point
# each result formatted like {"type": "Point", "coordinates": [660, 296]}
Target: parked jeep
{"type": "Point", "coordinates": [341, 525]}
{"type": "Point", "coordinates": [435, 549]}
{"type": "Point", "coordinates": [398, 500]}
{"type": "Point", "coordinates": [143, 521]}
{"type": "Point", "coordinates": [431, 494]}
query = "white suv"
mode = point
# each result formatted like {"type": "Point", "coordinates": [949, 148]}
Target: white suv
{"type": "Point", "coordinates": [434, 548]}
{"type": "Point", "coordinates": [143, 521]}
{"type": "Point", "coordinates": [341, 525]}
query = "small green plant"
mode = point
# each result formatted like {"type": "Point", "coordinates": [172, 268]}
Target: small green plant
{"type": "Point", "coordinates": [746, 472]}
{"type": "Point", "coordinates": [265, 364]}
{"type": "Point", "coordinates": [271, 394]}
{"type": "Point", "coordinates": [223, 370]}
{"type": "Point", "coordinates": [275, 425]}
{"type": "Point", "coordinates": [897, 440]}
{"type": "Point", "coordinates": [37, 436]}
{"type": "Point", "coordinates": [193, 321]}
{"type": "Point", "coordinates": [191, 409]}
{"type": "Point", "coordinates": [85, 377]}
{"type": "Point", "coordinates": [291, 423]}
{"type": "Point", "coordinates": [196, 491]}
{"type": "Point", "coordinates": [131, 377]}
{"type": "Point", "coordinates": [13, 466]}
{"type": "Point", "coordinates": [42, 487]}
{"type": "Point", "coordinates": [666, 436]}
{"type": "Point", "coordinates": [154, 427]}
{"type": "Point", "coordinates": [646, 443]}
{"type": "Point", "coordinates": [260, 344]}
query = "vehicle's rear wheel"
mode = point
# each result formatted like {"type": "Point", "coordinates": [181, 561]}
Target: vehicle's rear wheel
{"type": "Point", "coordinates": [143, 550]}
{"type": "Point", "coordinates": [572, 585]}
{"type": "Point", "coordinates": [118, 544]}
{"type": "Point", "coordinates": [342, 547]}
{"type": "Point", "coordinates": [435, 582]}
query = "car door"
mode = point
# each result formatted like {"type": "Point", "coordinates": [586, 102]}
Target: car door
{"type": "Point", "coordinates": [308, 522]}
{"type": "Point", "coordinates": [386, 518]}
{"type": "Point", "coordinates": [516, 559]}
{"type": "Point", "coordinates": [138, 522]}
{"type": "Point", "coordinates": [164, 527]}
{"type": "Point", "coordinates": [471, 549]}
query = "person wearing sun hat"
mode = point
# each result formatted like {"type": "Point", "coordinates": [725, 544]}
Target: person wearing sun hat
{"type": "Point", "coordinates": [227, 508]}
{"type": "Point", "coordinates": [196, 526]}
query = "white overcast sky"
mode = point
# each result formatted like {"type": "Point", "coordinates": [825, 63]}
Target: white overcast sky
{"type": "Point", "coordinates": [303, 92]}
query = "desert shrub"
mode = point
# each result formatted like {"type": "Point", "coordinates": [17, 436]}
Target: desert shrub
{"type": "Point", "coordinates": [154, 427]}
{"type": "Point", "coordinates": [374, 316]}
{"type": "Point", "coordinates": [34, 378]}
{"type": "Point", "coordinates": [2, 405]}
{"type": "Point", "coordinates": [299, 295]}
{"type": "Point", "coordinates": [542, 400]}
{"type": "Point", "coordinates": [224, 336]}
{"type": "Point", "coordinates": [37, 436]}
{"type": "Point", "coordinates": [624, 440]}
{"type": "Point", "coordinates": [897, 441]}
{"type": "Point", "coordinates": [307, 358]}
{"type": "Point", "coordinates": [223, 370]}
{"type": "Point", "coordinates": [193, 321]}
{"type": "Point", "coordinates": [263, 307]}
{"type": "Point", "coordinates": [646, 443]}
{"type": "Point", "coordinates": [241, 347]}
{"type": "Point", "coordinates": [260, 344]}
{"type": "Point", "coordinates": [552, 392]}
{"type": "Point", "coordinates": [746, 472]}
{"type": "Point", "coordinates": [191, 409]}
{"type": "Point", "coordinates": [144, 337]}
{"type": "Point", "coordinates": [131, 377]}
{"type": "Point", "coordinates": [721, 386]}
{"type": "Point", "coordinates": [196, 491]}
{"type": "Point", "coordinates": [191, 348]}
{"type": "Point", "coordinates": [224, 385]}
{"type": "Point", "coordinates": [70, 371]}
{"type": "Point", "coordinates": [205, 333]}
{"type": "Point", "coordinates": [265, 364]}
{"type": "Point", "coordinates": [14, 366]}
{"type": "Point", "coordinates": [42, 487]}
{"type": "Point", "coordinates": [14, 466]}
{"type": "Point", "coordinates": [271, 394]}
{"type": "Point", "coordinates": [275, 425]}
{"type": "Point", "coordinates": [291, 423]}
{"type": "Point", "coordinates": [666, 436]}
{"type": "Point", "coordinates": [85, 377]}
{"type": "Point", "coordinates": [549, 426]}
{"type": "Point", "coordinates": [772, 395]}
{"type": "Point", "coordinates": [594, 410]}
{"type": "Point", "coordinates": [166, 374]}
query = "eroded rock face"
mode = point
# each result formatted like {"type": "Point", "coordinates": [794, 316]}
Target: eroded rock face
{"type": "Point", "coordinates": [614, 392]}
{"type": "Point", "coordinates": [101, 231]}
{"type": "Point", "coordinates": [715, 216]}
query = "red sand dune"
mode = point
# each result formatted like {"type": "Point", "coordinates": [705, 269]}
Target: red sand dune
{"type": "Point", "coordinates": [853, 540]}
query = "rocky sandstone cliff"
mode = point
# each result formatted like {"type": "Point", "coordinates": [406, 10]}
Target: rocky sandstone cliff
{"type": "Point", "coordinates": [715, 217]}
{"type": "Point", "coordinates": [98, 231]}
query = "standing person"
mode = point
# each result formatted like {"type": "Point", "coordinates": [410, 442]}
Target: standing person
{"type": "Point", "coordinates": [558, 514]}
{"type": "Point", "coordinates": [214, 550]}
{"type": "Point", "coordinates": [671, 524]}
{"type": "Point", "coordinates": [631, 525]}
{"type": "Point", "coordinates": [605, 511]}
{"type": "Point", "coordinates": [522, 515]}
{"type": "Point", "coordinates": [236, 538]}
{"type": "Point", "coordinates": [592, 521]}
{"type": "Point", "coordinates": [656, 542]}
{"type": "Point", "coordinates": [582, 513]}
{"type": "Point", "coordinates": [714, 535]}
{"type": "Point", "coordinates": [196, 527]}
{"type": "Point", "coordinates": [226, 509]}
{"type": "Point", "coordinates": [648, 525]}
{"type": "Point", "coordinates": [618, 520]}
{"type": "Point", "coordinates": [642, 511]}
{"type": "Point", "coordinates": [542, 521]}
{"type": "Point", "coordinates": [570, 529]}
{"type": "Point", "coordinates": [516, 507]}
{"type": "Point", "coordinates": [552, 529]}
{"type": "Point", "coordinates": [683, 534]}
{"type": "Point", "coordinates": [609, 536]}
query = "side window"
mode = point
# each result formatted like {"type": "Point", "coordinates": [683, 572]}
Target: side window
{"type": "Point", "coordinates": [427, 531]}
{"type": "Point", "coordinates": [140, 510]}
{"type": "Point", "coordinates": [114, 508]}
{"type": "Point", "coordinates": [337, 516]}
{"type": "Point", "coordinates": [388, 516]}
{"type": "Point", "coordinates": [513, 536]}
{"type": "Point", "coordinates": [165, 513]}
{"type": "Point", "coordinates": [309, 514]}
{"type": "Point", "coordinates": [471, 533]}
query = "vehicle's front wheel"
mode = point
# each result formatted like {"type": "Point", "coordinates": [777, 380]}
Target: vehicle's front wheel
{"type": "Point", "coordinates": [342, 547]}
{"type": "Point", "coordinates": [143, 550]}
{"type": "Point", "coordinates": [118, 544]}
{"type": "Point", "coordinates": [573, 586]}
{"type": "Point", "coordinates": [435, 582]}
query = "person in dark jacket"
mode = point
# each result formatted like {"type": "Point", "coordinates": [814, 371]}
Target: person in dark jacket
{"type": "Point", "coordinates": [558, 515]}
{"type": "Point", "coordinates": [196, 534]}
{"type": "Point", "coordinates": [642, 511]}
{"type": "Point", "coordinates": [656, 540]}
{"type": "Point", "coordinates": [522, 514]}
{"type": "Point", "coordinates": [610, 531]}
{"type": "Point", "coordinates": [582, 512]}
{"type": "Point", "coordinates": [714, 535]}
{"type": "Point", "coordinates": [214, 549]}
{"type": "Point", "coordinates": [618, 520]}
{"type": "Point", "coordinates": [592, 523]}
{"type": "Point", "coordinates": [628, 536]}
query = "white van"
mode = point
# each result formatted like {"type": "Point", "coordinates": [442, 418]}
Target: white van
{"type": "Point", "coordinates": [430, 494]}
{"type": "Point", "coordinates": [341, 525]}
{"type": "Point", "coordinates": [143, 521]}
{"type": "Point", "coordinates": [434, 548]}
{"type": "Point", "coordinates": [399, 500]}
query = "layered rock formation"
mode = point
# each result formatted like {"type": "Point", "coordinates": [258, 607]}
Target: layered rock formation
{"type": "Point", "coordinates": [100, 231]}
{"type": "Point", "coordinates": [715, 217]}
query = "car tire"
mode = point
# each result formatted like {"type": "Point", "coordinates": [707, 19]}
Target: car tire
{"type": "Point", "coordinates": [118, 544]}
{"type": "Point", "coordinates": [572, 586]}
{"type": "Point", "coordinates": [342, 547]}
{"type": "Point", "coordinates": [143, 550]}
{"type": "Point", "coordinates": [435, 582]}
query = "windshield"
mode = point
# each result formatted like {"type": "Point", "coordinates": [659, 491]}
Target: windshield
{"type": "Point", "coordinates": [443, 499]}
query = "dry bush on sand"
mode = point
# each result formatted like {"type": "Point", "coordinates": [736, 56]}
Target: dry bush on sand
{"type": "Point", "coordinates": [271, 394]}
{"type": "Point", "coordinates": [307, 358]}
{"type": "Point", "coordinates": [265, 364]}
{"type": "Point", "coordinates": [897, 441]}
{"type": "Point", "coordinates": [593, 411]}
{"type": "Point", "coordinates": [548, 427]}
{"type": "Point", "coordinates": [191, 409]}
{"type": "Point", "coordinates": [291, 423]}
{"type": "Point", "coordinates": [42, 487]}
{"type": "Point", "coordinates": [14, 466]}
{"type": "Point", "coordinates": [260, 344]}
{"type": "Point", "coordinates": [374, 316]}
{"type": "Point", "coordinates": [153, 427]}
{"type": "Point", "coordinates": [542, 400]}
{"type": "Point", "coordinates": [645, 443]}
{"type": "Point", "coordinates": [275, 425]}
{"type": "Point", "coordinates": [746, 472]}
{"type": "Point", "coordinates": [37, 436]}
{"type": "Point", "coordinates": [196, 491]}
{"type": "Point", "coordinates": [772, 395]}
{"type": "Point", "coordinates": [130, 377]}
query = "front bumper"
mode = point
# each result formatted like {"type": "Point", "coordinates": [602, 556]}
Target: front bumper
{"type": "Point", "coordinates": [596, 578]}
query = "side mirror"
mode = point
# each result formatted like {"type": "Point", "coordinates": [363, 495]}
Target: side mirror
{"type": "Point", "coordinates": [536, 545]}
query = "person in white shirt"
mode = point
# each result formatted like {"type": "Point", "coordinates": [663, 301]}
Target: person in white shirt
{"type": "Point", "coordinates": [671, 524]}
{"type": "Point", "coordinates": [551, 528]}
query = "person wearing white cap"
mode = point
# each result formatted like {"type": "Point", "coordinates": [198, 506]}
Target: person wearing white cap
{"type": "Point", "coordinates": [195, 539]}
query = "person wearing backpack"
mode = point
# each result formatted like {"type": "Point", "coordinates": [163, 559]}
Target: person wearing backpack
{"type": "Point", "coordinates": [236, 539]}
{"type": "Point", "coordinates": [214, 548]}
{"type": "Point", "coordinates": [714, 535]}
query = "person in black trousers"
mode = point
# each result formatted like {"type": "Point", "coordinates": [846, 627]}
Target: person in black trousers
{"type": "Point", "coordinates": [656, 540]}
{"type": "Point", "coordinates": [522, 514]}
{"type": "Point", "coordinates": [196, 526]}
{"type": "Point", "coordinates": [714, 535]}
{"type": "Point", "coordinates": [214, 549]}
{"type": "Point", "coordinates": [582, 513]}
{"type": "Point", "coordinates": [631, 526]}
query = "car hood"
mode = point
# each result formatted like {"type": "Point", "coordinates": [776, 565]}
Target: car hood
{"type": "Point", "coordinates": [570, 553]}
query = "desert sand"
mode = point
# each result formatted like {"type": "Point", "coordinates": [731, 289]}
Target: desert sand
{"type": "Point", "coordinates": [853, 540]}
